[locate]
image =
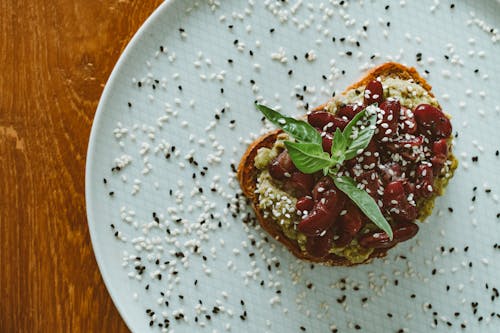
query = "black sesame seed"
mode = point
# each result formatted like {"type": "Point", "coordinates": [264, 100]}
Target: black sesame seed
{"type": "Point", "coordinates": [387, 7]}
{"type": "Point", "coordinates": [349, 53]}
{"type": "Point", "coordinates": [452, 6]}
{"type": "Point", "coordinates": [271, 30]}
{"type": "Point", "coordinates": [302, 328]}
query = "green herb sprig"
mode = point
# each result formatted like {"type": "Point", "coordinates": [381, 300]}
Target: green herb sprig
{"type": "Point", "coordinates": [308, 156]}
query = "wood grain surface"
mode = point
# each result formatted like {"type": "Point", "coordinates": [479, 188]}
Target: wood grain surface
{"type": "Point", "coordinates": [55, 57]}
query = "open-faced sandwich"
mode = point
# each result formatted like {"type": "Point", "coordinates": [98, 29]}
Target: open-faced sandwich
{"type": "Point", "coordinates": [349, 181]}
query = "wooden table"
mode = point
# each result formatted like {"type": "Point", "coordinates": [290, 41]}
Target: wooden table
{"type": "Point", "coordinates": [55, 57]}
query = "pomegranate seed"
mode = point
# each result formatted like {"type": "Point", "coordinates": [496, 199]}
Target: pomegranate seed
{"type": "Point", "coordinates": [318, 246]}
{"type": "Point", "coordinates": [349, 110]}
{"type": "Point", "coordinates": [304, 204]}
{"type": "Point", "coordinates": [281, 166]}
{"type": "Point", "coordinates": [432, 121]}
{"type": "Point", "coordinates": [374, 93]}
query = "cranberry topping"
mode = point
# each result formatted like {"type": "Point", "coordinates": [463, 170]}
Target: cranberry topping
{"type": "Point", "coordinates": [374, 93]}
{"type": "Point", "coordinates": [379, 239]}
{"type": "Point", "coordinates": [324, 213]}
{"type": "Point", "coordinates": [396, 202]}
{"type": "Point", "coordinates": [304, 204]}
{"type": "Point", "coordinates": [432, 121]}
{"type": "Point", "coordinates": [349, 110]}
{"type": "Point", "coordinates": [282, 166]}
{"type": "Point", "coordinates": [318, 246]}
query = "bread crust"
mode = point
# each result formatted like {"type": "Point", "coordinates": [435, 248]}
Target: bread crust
{"type": "Point", "coordinates": [247, 172]}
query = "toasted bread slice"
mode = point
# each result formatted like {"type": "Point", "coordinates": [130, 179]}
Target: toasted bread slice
{"type": "Point", "coordinates": [248, 173]}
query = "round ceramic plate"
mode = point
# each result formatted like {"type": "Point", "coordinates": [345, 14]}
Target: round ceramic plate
{"type": "Point", "coordinates": [177, 246]}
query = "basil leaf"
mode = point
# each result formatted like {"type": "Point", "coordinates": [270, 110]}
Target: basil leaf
{"type": "Point", "coordinates": [362, 139]}
{"type": "Point", "coordinates": [364, 201]}
{"type": "Point", "coordinates": [299, 129]}
{"type": "Point", "coordinates": [308, 157]}
{"type": "Point", "coordinates": [339, 145]}
{"type": "Point", "coordinates": [354, 121]}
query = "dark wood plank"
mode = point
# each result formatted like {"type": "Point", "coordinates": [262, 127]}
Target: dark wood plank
{"type": "Point", "coordinates": [55, 58]}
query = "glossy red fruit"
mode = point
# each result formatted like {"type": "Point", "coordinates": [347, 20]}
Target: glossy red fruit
{"type": "Point", "coordinates": [390, 172]}
{"type": "Point", "coordinates": [390, 116]}
{"type": "Point", "coordinates": [374, 93]}
{"type": "Point", "coordinates": [282, 166]}
{"type": "Point", "coordinates": [396, 202]}
{"type": "Point", "coordinates": [304, 204]}
{"type": "Point", "coordinates": [432, 121]}
{"type": "Point", "coordinates": [379, 239]}
{"type": "Point", "coordinates": [318, 246]}
{"type": "Point", "coordinates": [349, 225]}
{"type": "Point", "coordinates": [324, 184]}
{"type": "Point", "coordinates": [299, 183]}
{"type": "Point", "coordinates": [324, 213]}
{"type": "Point", "coordinates": [440, 155]}
{"type": "Point", "coordinates": [327, 139]}
{"type": "Point", "coordinates": [407, 121]}
{"type": "Point", "coordinates": [349, 110]}
{"type": "Point", "coordinates": [424, 181]}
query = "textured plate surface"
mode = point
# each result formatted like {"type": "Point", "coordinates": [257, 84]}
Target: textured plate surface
{"type": "Point", "coordinates": [189, 79]}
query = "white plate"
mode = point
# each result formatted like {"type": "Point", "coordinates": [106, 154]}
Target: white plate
{"type": "Point", "coordinates": [196, 58]}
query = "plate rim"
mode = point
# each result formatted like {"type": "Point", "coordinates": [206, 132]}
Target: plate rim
{"type": "Point", "coordinates": [89, 200]}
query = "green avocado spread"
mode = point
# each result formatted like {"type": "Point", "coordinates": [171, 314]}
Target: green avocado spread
{"type": "Point", "coordinates": [280, 205]}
